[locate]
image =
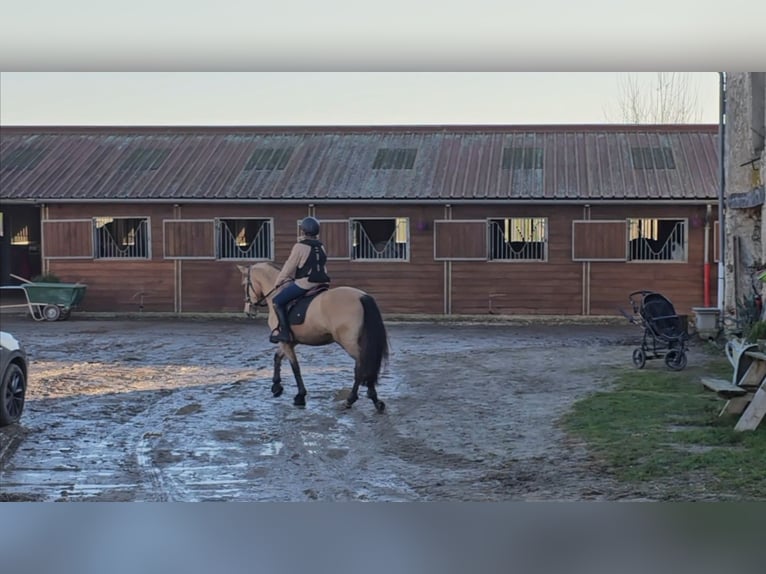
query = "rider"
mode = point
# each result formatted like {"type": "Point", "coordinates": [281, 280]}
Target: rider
{"type": "Point", "coordinates": [303, 270]}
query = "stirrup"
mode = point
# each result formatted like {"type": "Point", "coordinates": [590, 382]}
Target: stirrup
{"type": "Point", "coordinates": [279, 336]}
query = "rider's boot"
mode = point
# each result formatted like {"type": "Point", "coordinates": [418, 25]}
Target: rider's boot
{"type": "Point", "coordinates": [282, 333]}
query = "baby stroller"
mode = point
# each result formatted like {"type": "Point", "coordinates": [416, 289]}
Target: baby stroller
{"type": "Point", "coordinates": [664, 332]}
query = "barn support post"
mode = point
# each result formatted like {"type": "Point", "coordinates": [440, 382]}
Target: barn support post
{"type": "Point", "coordinates": [706, 278]}
{"type": "Point", "coordinates": [721, 192]}
{"type": "Point", "coordinates": [43, 259]}
{"type": "Point", "coordinates": [586, 272]}
{"type": "Point", "coordinates": [177, 272]}
{"type": "Point", "coordinates": [448, 271]}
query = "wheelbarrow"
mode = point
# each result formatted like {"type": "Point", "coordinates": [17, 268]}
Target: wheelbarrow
{"type": "Point", "coordinates": [52, 301]}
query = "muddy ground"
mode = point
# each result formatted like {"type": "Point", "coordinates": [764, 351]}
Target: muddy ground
{"type": "Point", "coordinates": [181, 410]}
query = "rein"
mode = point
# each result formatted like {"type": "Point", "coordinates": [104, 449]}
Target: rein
{"type": "Point", "coordinates": [261, 301]}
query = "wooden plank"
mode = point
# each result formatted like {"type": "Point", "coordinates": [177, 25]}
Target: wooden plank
{"type": "Point", "coordinates": [599, 240]}
{"type": "Point", "coordinates": [723, 387]}
{"type": "Point", "coordinates": [67, 238]}
{"type": "Point", "coordinates": [460, 240]}
{"type": "Point", "coordinates": [754, 374]}
{"type": "Point", "coordinates": [754, 413]}
{"type": "Point", "coordinates": [735, 405]}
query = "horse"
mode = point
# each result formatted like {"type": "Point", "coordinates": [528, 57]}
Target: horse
{"type": "Point", "coordinates": [343, 315]}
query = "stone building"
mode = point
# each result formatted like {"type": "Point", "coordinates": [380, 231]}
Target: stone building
{"type": "Point", "coordinates": [745, 165]}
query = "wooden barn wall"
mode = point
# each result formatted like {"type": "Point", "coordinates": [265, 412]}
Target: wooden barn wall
{"type": "Point", "coordinates": [515, 287]}
{"type": "Point", "coordinates": [555, 287]}
{"type": "Point", "coordinates": [414, 286]}
{"type": "Point", "coordinates": [115, 285]}
{"type": "Point", "coordinates": [215, 285]}
{"type": "Point", "coordinates": [682, 283]}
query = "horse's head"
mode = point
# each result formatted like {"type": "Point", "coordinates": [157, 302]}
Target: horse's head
{"type": "Point", "coordinates": [253, 289]}
{"type": "Point", "coordinates": [245, 271]}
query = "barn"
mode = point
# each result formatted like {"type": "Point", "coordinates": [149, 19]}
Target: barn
{"type": "Point", "coordinates": [440, 220]}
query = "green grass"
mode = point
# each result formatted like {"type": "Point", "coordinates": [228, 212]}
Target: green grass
{"type": "Point", "coordinates": [662, 428]}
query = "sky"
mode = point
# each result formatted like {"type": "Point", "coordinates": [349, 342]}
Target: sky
{"type": "Point", "coordinates": [326, 98]}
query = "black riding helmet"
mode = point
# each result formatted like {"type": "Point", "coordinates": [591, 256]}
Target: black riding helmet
{"type": "Point", "coordinates": [310, 226]}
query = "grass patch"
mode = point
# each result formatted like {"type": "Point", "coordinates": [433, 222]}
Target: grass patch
{"type": "Point", "coordinates": [661, 427]}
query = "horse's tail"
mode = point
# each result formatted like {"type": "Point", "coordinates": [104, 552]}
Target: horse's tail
{"type": "Point", "coordinates": [373, 342]}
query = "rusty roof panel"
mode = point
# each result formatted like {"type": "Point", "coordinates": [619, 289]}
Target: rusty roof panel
{"type": "Point", "coordinates": [458, 163]}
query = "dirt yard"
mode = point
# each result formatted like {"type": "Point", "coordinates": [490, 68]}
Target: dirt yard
{"type": "Point", "coordinates": [181, 410]}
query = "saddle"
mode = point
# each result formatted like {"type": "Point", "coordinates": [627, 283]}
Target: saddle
{"type": "Point", "coordinates": [296, 309]}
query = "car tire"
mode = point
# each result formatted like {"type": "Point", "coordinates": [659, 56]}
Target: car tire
{"type": "Point", "coordinates": [13, 389]}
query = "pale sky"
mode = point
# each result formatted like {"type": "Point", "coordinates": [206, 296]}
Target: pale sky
{"type": "Point", "coordinates": [341, 62]}
{"type": "Point", "coordinates": [325, 98]}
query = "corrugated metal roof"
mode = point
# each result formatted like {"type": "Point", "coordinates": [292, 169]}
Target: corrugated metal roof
{"type": "Point", "coordinates": [335, 163]}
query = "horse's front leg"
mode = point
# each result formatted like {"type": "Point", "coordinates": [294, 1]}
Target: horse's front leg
{"type": "Point", "coordinates": [276, 380]}
{"type": "Point", "coordinates": [289, 351]}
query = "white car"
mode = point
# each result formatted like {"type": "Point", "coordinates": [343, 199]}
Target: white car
{"type": "Point", "coordinates": [13, 382]}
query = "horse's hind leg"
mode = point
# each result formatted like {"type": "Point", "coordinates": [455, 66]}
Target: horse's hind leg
{"type": "Point", "coordinates": [380, 406]}
{"type": "Point", "coordinates": [276, 380]}
{"type": "Point", "coordinates": [354, 395]}
{"type": "Point", "coordinates": [300, 398]}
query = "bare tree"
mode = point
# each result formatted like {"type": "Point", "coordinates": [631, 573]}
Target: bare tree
{"type": "Point", "coordinates": [671, 98]}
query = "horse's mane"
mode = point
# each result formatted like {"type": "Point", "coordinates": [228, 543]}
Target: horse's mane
{"type": "Point", "coordinates": [273, 265]}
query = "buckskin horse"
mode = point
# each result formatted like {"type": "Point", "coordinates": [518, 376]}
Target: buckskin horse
{"type": "Point", "coordinates": [343, 315]}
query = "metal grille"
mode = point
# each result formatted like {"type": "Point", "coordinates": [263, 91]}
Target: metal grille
{"type": "Point", "coordinates": [381, 239]}
{"type": "Point", "coordinates": [121, 238]}
{"type": "Point", "coordinates": [519, 238]}
{"type": "Point", "coordinates": [244, 239]}
{"type": "Point", "coordinates": [657, 240]}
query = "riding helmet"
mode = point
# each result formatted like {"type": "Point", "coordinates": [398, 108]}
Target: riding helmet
{"type": "Point", "coordinates": [310, 226]}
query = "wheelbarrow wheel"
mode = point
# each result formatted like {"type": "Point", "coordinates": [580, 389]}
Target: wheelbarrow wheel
{"type": "Point", "coordinates": [51, 312]}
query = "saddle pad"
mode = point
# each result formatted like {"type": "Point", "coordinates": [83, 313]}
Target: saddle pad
{"type": "Point", "coordinates": [296, 311]}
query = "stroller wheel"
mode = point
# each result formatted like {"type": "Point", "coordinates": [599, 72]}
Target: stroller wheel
{"type": "Point", "coordinates": [675, 360]}
{"type": "Point", "coordinates": [639, 358]}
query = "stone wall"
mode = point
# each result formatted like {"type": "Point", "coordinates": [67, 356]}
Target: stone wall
{"type": "Point", "coordinates": [745, 221]}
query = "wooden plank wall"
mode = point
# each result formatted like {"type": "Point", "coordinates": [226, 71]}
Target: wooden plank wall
{"type": "Point", "coordinates": [682, 283]}
{"type": "Point", "coordinates": [115, 285]}
{"type": "Point", "coordinates": [399, 287]}
{"type": "Point", "coordinates": [214, 286]}
{"type": "Point", "coordinates": [516, 287]}
{"type": "Point", "coordinates": [418, 286]}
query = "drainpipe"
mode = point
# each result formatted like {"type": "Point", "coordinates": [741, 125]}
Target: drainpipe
{"type": "Point", "coordinates": [721, 191]}
{"type": "Point", "coordinates": [706, 280]}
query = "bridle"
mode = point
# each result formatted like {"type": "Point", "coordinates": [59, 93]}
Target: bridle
{"type": "Point", "coordinates": [262, 300]}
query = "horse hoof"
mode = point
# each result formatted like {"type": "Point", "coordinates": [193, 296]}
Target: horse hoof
{"type": "Point", "coordinates": [276, 390]}
{"type": "Point", "coordinates": [299, 401]}
{"type": "Point", "coordinates": [349, 404]}
{"type": "Point", "coordinates": [380, 406]}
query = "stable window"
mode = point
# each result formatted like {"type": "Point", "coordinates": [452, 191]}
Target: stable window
{"type": "Point", "coordinates": [380, 239]}
{"type": "Point", "coordinates": [657, 240]}
{"type": "Point", "coordinates": [245, 239]}
{"type": "Point", "coordinates": [121, 238]}
{"type": "Point", "coordinates": [518, 239]}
